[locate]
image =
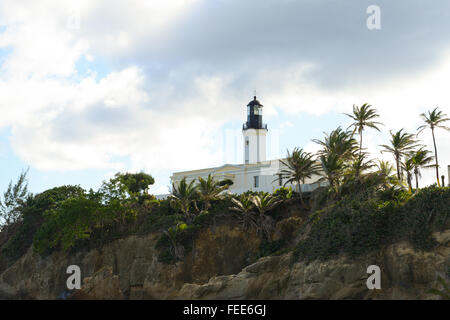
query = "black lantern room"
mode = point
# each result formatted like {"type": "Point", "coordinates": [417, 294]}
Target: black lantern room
{"type": "Point", "coordinates": [254, 115]}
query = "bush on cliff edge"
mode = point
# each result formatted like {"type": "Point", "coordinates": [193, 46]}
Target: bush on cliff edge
{"type": "Point", "coordinates": [356, 226]}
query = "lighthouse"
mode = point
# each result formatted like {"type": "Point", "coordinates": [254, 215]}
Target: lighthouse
{"type": "Point", "coordinates": [256, 173]}
{"type": "Point", "coordinates": [254, 132]}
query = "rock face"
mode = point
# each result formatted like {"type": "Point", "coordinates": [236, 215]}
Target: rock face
{"type": "Point", "coordinates": [218, 268]}
{"type": "Point", "coordinates": [129, 268]}
{"type": "Point", "coordinates": [405, 274]}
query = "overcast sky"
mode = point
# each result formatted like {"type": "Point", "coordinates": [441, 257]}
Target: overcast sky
{"type": "Point", "coordinates": [89, 88]}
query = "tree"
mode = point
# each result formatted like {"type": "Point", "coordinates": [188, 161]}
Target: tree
{"type": "Point", "coordinates": [264, 203]}
{"type": "Point", "coordinates": [32, 217]}
{"type": "Point", "coordinates": [363, 117]}
{"type": "Point", "coordinates": [125, 193]}
{"type": "Point", "coordinates": [420, 159]}
{"type": "Point", "coordinates": [300, 166]}
{"type": "Point", "coordinates": [128, 185]}
{"type": "Point", "coordinates": [387, 174]}
{"type": "Point", "coordinates": [245, 208]}
{"type": "Point", "coordinates": [408, 167]}
{"type": "Point", "coordinates": [183, 195]}
{"type": "Point", "coordinates": [253, 211]}
{"type": "Point", "coordinates": [171, 233]}
{"type": "Point", "coordinates": [333, 167]}
{"type": "Point", "coordinates": [72, 220]}
{"type": "Point", "coordinates": [401, 144]}
{"type": "Point", "coordinates": [358, 166]}
{"type": "Point", "coordinates": [338, 150]}
{"type": "Point", "coordinates": [434, 119]}
{"type": "Point", "coordinates": [340, 143]}
{"type": "Point", "coordinates": [13, 199]}
{"type": "Point", "coordinates": [137, 183]}
{"type": "Point", "coordinates": [209, 189]}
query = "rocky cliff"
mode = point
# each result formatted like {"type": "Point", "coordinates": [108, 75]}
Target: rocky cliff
{"type": "Point", "coordinates": [219, 267]}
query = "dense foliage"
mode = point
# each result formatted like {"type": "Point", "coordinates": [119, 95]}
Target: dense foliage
{"type": "Point", "coordinates": [32, 214]}
{"type": "Point", "coordinates": [356, 225]}
{"type": "Point", "coordinates": [13, 200]}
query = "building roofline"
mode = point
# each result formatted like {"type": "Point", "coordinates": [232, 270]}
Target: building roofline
{"type": "Point", "coordinates": [266, 163]}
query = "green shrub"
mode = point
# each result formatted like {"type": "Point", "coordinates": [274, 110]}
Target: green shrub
{"type": "Point", "coordinates": [355, 226]}
{"type": "Point", "coordinates": [72, 220]}
{"type": "Point", "coordinates": [283, 193]}
{"type": "Point", "coordinates": [32, 213]}
{"type": "Point", "coordinates": [181, 236]}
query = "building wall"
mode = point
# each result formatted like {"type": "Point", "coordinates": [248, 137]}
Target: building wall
{"type": "Point", "coordinates": [255, 150]}
{"type": "Point", "coordinates": [243, 177]}
{"type": "Point", "coordinates": [448, 176]}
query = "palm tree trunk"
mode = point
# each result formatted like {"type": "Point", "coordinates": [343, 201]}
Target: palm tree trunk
{"type": "Point", "coordinates": [417, 179]}
{"type": "Point", "coordinates": [360, 142]}
{"type": "Point", "coordinates": [206, 205]}
{"type": "Point", "coordinates": [300, 192]}
{"type": "Point", "coordinates": [436, 157]}
{"type": "Point", "coordinates": [397, 162]}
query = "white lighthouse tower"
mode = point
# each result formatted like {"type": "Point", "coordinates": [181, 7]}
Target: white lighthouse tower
{"type": "Point", "coordinates": [256, 173]}
{"type": "Point", "coordinates": [254, 132]}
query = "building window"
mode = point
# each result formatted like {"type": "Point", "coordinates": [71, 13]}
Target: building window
{"type": "Point", "coordinates": [256, 181]}
{"type": "Point", "coordinates": [247, 151]}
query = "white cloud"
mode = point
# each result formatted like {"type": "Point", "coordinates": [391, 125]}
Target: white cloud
{"type": "Point", "coordinates": [88, 124]}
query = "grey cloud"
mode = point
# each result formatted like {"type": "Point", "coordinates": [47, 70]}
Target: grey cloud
{"type": "Point", "coordinates": [82, 126]}
{"type": "Point", "coordinates": [261, 44]}
{"type": "Point", "coordinates": [249, 36]}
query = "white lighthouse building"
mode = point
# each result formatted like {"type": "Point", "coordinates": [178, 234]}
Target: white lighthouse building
{"type": "Point", "coordinates": [256, 173]}
{"type": "Point", "coordinates": [254, 132]}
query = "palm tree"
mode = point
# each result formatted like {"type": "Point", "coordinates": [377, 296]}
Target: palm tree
{"type": "Point", "coordinates": [433, 120]}
{"type": "Point", "coordinates": [300, 166]}
{"type": "Point", "coordinates": [333, 168]}
{"type": "Point", "coordinates": [264, 203]}
{"type": "Point", "coordinates": [338, 149]}
{"type": "Point", "coordinates": [243, 204]}
{"type": "Point", "coordinates": [177, 249]}
{"type": "Point", "coordinates": [363, 117]}
{"type": "Point", "coordinates": [401, 144]}
{"type": "Point", "coordinates": [408, 168]}
{"type": "Point", "coordinates": [358, 166]}
{"type": "Point", "coordinates": [420, 159]}
{"type": "Point", "coordinates": [183, 195]}
{"type": "Point", "coordinates": [338, 142]}
{"type": "Point", "coordinates": [209, 190]}
{"type": "Point", "coordinates": [245, 207]}
{"type": "Point", "coordinates": [386, 172]}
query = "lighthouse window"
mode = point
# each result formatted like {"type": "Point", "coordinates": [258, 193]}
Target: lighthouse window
{"type": "Point", "coordinates": [256, 182]}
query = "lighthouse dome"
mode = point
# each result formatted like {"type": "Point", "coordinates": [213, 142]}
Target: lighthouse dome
{"type": "Point", "coordinates": [254, 102]}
